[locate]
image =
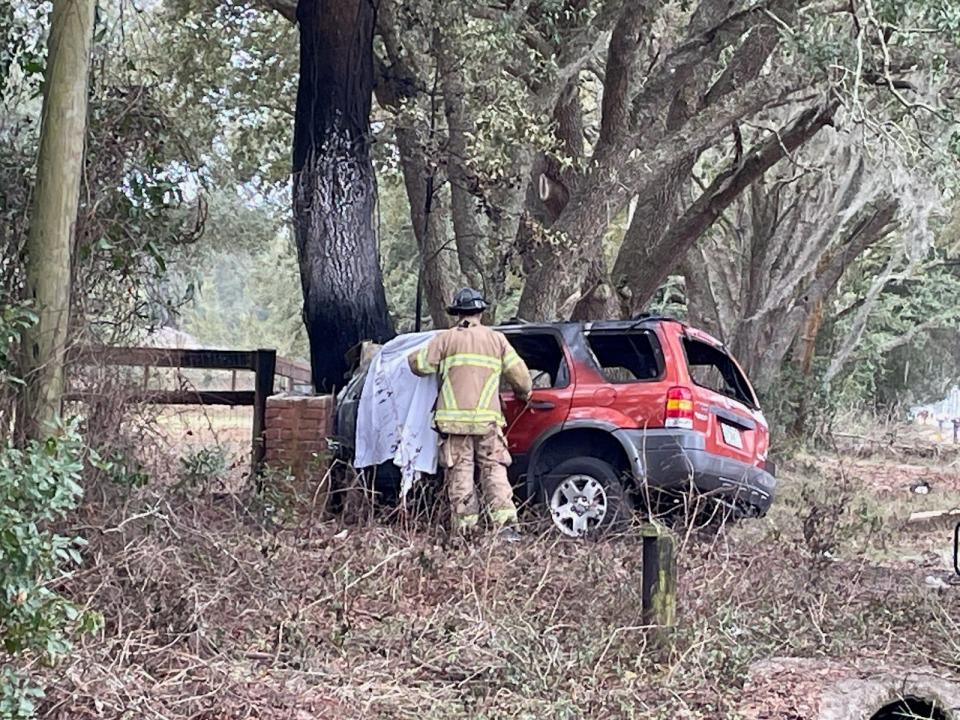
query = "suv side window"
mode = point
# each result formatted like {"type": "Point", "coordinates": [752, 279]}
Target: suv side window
{"type": "Point", "coordinates": [627, 357]}
{"type": "Point", "coordinates": [713, 369]}
{"type": "Point", "coordinates": [543, 356]}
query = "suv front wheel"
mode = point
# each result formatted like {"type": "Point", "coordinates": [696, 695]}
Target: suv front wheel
{"type": "Point", "coordinates": [585, 497]}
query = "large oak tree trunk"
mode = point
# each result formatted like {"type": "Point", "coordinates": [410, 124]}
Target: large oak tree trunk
{"type": "Point", "coordinates": [563, 257]}
{"type": "Point", "coordinates": [54, 214]}
{"type": "Point", "coordinates": [652, 247]}
{"type": "Point", "coordinates": [334, 188]}
{"type": "Point", "coordinates": [645, 258]}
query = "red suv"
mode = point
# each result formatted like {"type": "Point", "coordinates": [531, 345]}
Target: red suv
{"type": "Point", "coordinates": [623, 414]}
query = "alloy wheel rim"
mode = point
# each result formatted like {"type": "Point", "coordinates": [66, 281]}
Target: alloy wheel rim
{"type": "Point", "coordinates": [578, 505]}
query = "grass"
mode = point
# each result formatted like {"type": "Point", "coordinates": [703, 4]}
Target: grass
{"type": "Point", "coordinates": [212, 611]}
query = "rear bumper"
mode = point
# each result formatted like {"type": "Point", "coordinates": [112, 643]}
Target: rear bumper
{"type": "Point", "coordinates": [677, 459]}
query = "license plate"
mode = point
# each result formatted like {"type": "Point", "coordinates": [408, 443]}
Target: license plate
{"type": "Point", "coordinates": [731, 436]}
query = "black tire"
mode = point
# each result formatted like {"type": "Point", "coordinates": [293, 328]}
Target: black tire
{"type": "Point", "coordinates": [619, 506]}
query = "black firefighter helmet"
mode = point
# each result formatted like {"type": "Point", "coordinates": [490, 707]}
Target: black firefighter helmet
{"type": "Point", "coordinates": [467, 302]}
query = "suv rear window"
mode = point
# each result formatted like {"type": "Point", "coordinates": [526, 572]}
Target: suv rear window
{"type": "Point", "coordinates": [543, 356]}
{"type": "Point", "coordinates": [626, 357]}
{"type": "Point", "coordinates": [713, 369]}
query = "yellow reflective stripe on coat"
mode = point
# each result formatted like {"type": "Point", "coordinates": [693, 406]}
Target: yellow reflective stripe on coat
{"type": "Point", "coordinates": [489, 388]}
{"type": "Point", "coordinates": [471, 359]}
{"type": "Point", "coordinates": [510, 359]}
{"type": "Point", "coordinates": [469, 416]}
{"type": "Point", "coordinates": [423, 364]}
{"type": "Point", "coordinates": [446, 392]}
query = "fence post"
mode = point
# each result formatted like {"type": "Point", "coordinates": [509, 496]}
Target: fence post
{"type": "Point", "coordinates": [659, 588]}
{"type": "Point", "coordinates": [264, 367]}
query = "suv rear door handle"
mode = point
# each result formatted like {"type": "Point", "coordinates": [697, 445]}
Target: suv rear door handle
{"type": "Point", "coordinates": [541, 405]}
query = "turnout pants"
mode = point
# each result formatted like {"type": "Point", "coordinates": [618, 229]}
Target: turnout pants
{"type": "Point", "coordinates": [459, 455]}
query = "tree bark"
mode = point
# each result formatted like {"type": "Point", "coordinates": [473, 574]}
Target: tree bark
{"type": "Point", "coordinates": [463, 203]}
{"type": "Point", "coordinates": [703, 301]}
{"type": "Point", "coordinates": [806, 350]}
{"type": "Point", "coordinates": [334, 187]}
{"type": "Point", "coordinates": [396, 83]}
{"type": "Point", "coordinates": [782, 248]}
{"type": "Point", "coordinates": [605, 188]}
{"type": "Point", "coordinates": [562, 257]}
{"type": "Point", "coordinates": [436, 258]}
{"type": "Point", "coordinates": [546, 198]}
{"type": "Point", "coordinates": [765, 338]}
{"type": "Point", "coordinates": [620, 74]}
{"type": "Point", "coordinates": [59, 166]}
{"type": "Point", "coordinates": [646, 242]}
{"type": "Point", "coordinates": [879, 225]}
{"type": "Point", "coordinates": [552, 283]}
{"type": "Point", "coordinates": [659, 260]}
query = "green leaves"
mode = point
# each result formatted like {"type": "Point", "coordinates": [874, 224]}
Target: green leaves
{"type": "Point", "coordinates": [908, 352]}
{"type": "Point", "coordinates": [23, 51]}
{"type": "Point", "coordinates": [14, 319]}
{"type": "Point", "coordinates": [39, 485]}
{"type": "Point", "coordinates": [201, 468]}
{"type": "Point", "coordinates": [18, 699]}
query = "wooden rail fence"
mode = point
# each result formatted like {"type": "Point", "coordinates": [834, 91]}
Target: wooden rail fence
{"type": "Point", "coordinates": [265, 365]}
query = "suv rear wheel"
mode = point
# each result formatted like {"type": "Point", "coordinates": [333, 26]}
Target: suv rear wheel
{"type": "Point", "coordinates": [585, 497]}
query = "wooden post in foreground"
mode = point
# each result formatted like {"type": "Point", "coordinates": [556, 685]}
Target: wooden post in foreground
{"type": "Point", "coordinates": [659, 589]}
{"type": "Point", "coordinates": [264, 365]}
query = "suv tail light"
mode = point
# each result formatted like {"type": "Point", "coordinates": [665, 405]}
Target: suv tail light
{"type": "Point", "coordinates": [679, 408]}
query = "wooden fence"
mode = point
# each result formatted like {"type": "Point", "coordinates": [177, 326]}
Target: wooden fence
{"type": "Point", "coordinates": [265, 365]}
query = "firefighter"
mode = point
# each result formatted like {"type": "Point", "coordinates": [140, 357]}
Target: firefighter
{"type": "Point", "coordinates": [470, 360]}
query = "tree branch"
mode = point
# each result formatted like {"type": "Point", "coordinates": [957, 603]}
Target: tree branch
{"type": "Point", "coordinates": [575, 58]}
{"type": "Point", "coordinates": [619, 75]}
{"type": "Point", "coordinates": [907, 337]}
{"type": "Point", "coordinates": [395, 79]}
{"type": "Point", "coordinates": [676, 67]}
{"type": "Point", "coordinates": [287, 8]}
{"type": "Point", "coordinates": [661, 149]}
{"type": "Point", "coordinates": [660, 260]}
{"type": "Point", "coordinates": [574, 54]}
{"type": "Point", "coordinates": [757, 47]}
{"type": "Point", "coordinates": [865, 233]}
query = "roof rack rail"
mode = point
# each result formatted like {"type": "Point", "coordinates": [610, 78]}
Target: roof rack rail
{"type": "Point", "coordinates": [651, 316]}
{"type": "Point", "coordinates": [515, 321]}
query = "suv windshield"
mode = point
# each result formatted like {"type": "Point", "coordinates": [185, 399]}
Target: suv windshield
{"type": "Point", "coordinates": [713, 369]}
{"type": "Point", "coordinates": [626, 357]}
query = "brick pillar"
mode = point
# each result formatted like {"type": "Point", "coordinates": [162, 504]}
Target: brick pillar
{"type": "Point", "coordinates": [297, 427]}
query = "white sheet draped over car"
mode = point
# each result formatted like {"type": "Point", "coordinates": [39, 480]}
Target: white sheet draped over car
{"type": "Point", "coordinates": [395, 414]}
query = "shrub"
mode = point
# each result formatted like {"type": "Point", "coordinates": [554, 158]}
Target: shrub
{"type": "Point", "coordinates": [198, 469]}
{"type": "Point", "coordinates": [39, 485]}
{"type": "Point", "coordinates": [14, 320]}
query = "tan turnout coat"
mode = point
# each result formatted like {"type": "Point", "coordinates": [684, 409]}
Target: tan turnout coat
{"type": "Point", "coordinates": [470, 360]}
